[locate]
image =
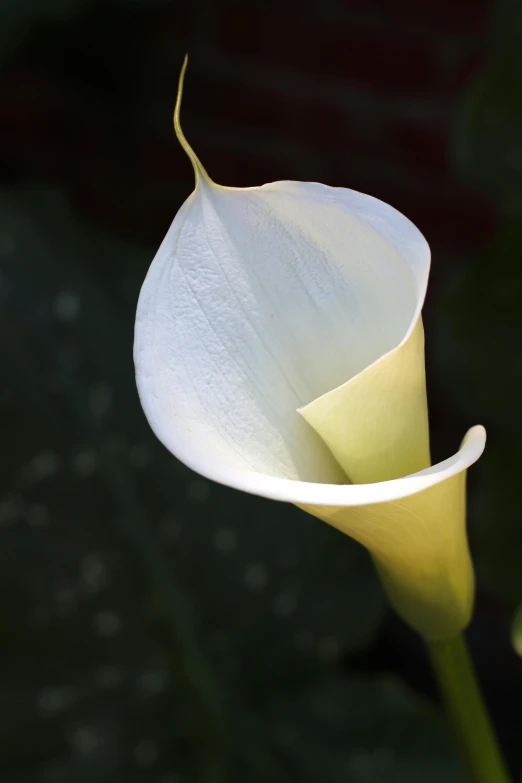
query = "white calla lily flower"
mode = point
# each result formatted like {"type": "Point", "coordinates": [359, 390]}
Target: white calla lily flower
{"type": "Point", "coordinates": [279, 350]}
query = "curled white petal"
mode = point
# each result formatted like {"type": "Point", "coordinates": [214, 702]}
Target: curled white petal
{"type": "Point", "coordinates": [258, 302]}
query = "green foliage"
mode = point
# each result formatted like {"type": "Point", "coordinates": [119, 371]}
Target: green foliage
{"type": "Point", "coordinates": [361, 730]}
{"type": "Point", "coordinates": [489, 127]}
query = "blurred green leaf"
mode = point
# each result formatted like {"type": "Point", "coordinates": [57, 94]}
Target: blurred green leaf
{"type": "Point", "coordinates": [488, 138]}
{"type": "Point", "coordinates": [361, 730]}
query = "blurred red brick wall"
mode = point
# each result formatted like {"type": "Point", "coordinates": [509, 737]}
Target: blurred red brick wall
{"type": "Point", "coordinates": [361, 94]}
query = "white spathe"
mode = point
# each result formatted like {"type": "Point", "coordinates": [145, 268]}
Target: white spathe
{"type": "Point", "coordinates": [279, 350]}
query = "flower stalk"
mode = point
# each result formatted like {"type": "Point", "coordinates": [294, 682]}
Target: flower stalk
{"type": "Point", "coordinates": [467, 712]}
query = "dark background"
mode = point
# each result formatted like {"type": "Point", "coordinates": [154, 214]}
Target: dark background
{"type": "Point", "coordinates": [153, 626]}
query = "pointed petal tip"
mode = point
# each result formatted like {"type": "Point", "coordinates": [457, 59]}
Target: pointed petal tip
{"type": "Point", "coordinates": [199, 170]}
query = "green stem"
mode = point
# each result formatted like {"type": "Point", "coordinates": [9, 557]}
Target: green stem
{"type": "Point", "coordinates": [466, 710]}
